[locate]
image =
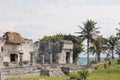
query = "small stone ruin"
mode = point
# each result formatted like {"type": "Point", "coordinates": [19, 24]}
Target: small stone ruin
{"type": "Point", "coordinates": [55, 52]}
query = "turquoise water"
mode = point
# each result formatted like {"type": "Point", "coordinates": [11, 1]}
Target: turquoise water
{"type": "Point", "coordinates": [83, 60]}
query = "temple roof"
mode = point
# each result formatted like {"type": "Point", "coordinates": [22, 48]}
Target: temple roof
{"type": "Point", "coordinates": [13, 38]}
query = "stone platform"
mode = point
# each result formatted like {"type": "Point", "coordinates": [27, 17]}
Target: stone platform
{"type": "Point", "coordinates": [38, 70]}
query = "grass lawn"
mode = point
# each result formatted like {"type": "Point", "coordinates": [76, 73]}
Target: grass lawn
{"type": "Point", "coordinates": [112, 73]}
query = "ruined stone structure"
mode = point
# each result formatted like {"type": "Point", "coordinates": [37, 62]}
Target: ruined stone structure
{"type": "Point", "coordinates": [19, 55]}
{"type": "Point", "coordinates": [15, 49]}
{"type": "Point", "coordinates": [19, 51]}
{"type": "Point", "coordinates": [55, 58]}
{"type": "Point", "coordinates": [55, 52]}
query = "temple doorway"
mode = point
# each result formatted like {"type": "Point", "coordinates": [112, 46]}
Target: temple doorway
{"type": "Point", "coordinates": [67, 57]}
{"type": "Point", "coordinates": [13, 58]}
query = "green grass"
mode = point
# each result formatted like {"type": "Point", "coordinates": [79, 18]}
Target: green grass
{"type": "Point", "coordinates": [111, 73]}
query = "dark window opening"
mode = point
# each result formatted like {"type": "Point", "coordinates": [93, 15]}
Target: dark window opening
{"type": "Point", "coordinates": [67, 57]}
{"type": "Point", "coordinates": [13, 57]}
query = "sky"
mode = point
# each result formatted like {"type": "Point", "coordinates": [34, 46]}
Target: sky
{"type": "Point", "coordinates": [34, 19]}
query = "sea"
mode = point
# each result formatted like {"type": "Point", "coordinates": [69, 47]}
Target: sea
{"type": "Point", "coordinates": [83, 60]}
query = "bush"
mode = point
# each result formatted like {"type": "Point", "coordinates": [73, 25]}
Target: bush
{"type": "Point", "coordinates": [118, 61]}
{"type": "Point", "coordinates": [83, 74]}
{"type": "Point", "coordinates": [80, 75]}
{"type": "Point", "coordinates": [74, 76]}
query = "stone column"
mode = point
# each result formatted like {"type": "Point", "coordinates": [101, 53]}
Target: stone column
{"type": "Point", "coordinates": [71, 57]}
{"type": "Point", "coordinates": [21, 59]}
{"type": "Point", "coordinates": [42, 57]}
{"type": "Point", "coordinates": [32, 58]}
{"type": "Point", "coordinates": [50, 57]}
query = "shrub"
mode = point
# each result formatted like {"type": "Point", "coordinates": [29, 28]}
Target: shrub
{"type": "Point", "coordinates": [83, 74]}
{"type": "Point", "coordinates": [74, 76]}
{"type": "Point", "coordinates": [80, 75]}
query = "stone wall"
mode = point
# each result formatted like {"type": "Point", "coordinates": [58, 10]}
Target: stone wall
{"type": "Point", "coordinates": [55, 50]}
{"type": "Point", "coordinates": [49, 70]}
{"type": "Point", "coordinates": [19, 73]}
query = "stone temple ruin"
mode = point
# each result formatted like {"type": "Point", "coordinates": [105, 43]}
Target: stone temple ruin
{"type": "Point", "coordinates": [55, 52]}
{"type": "Point", "coordinates": [20, 57]}
{"type": "Point", "coordinates": [19, 51]}
{"type": "Point", "coordinates": [15, 50]}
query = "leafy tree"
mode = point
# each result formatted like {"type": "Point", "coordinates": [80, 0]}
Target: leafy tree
{"type": "Point", "coordinates": [88, 32]}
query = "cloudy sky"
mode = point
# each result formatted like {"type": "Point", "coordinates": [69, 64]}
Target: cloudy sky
{"type": "Point", "coordinates": [36, 18]}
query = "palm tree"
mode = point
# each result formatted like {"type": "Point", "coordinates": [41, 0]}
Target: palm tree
{"type": "Point", "coordinates": [111, 44]}
{"type": "Point", "coordinates": [88, 32]}
{"type": "Point", "coordinates": [97, 47]}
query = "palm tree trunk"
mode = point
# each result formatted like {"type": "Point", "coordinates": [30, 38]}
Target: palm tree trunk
{"type": "Point", "coordinates": [87, 51]}
{"type": "Point", "coordinates": [113, 55]}
{"type": "Point", "coordinates": [98, 57]}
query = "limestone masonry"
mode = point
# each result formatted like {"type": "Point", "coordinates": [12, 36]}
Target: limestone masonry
{"type": "Point", "coordinates": [20, 57]}
{"type": "Point", "coordinates": [19, 51]}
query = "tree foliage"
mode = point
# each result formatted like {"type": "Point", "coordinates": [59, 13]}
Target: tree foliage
{"type": "Point", "coordinates": [55, 37]}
